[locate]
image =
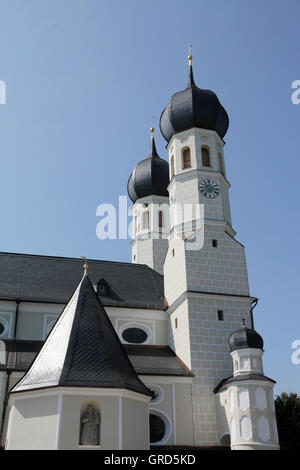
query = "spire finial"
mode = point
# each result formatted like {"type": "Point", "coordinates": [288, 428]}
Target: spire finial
{"type": "Point", "coordinates": [153, 152]}
{"type": "Point", "coordinates": [152, 125]}
{"type": "Point", "coordinates": [85, 266]}
{"type": "Point", "coordinates": [191, 77]}
{"type": "Point", "coordinates": [190, 57]}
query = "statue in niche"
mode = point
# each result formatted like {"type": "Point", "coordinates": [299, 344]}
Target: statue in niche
{"type": "Point", "coordinates": [90, 427]}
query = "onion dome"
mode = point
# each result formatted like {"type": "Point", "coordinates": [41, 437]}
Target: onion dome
{"type": "Point", "coordinates": [245, 338]}
{"type": "Point", "coordinates": [193, 107]}
{"type": "Point", "coordinates": [150, 176]}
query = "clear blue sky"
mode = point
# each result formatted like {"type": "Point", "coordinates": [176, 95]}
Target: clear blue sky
{"type": "Point", "coordinates": [84, 77]}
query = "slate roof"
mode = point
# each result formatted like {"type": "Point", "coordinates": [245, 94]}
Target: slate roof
{"type": "Point", "coordinates": [245, 338]}
{"type": "Point", "coordinates": [149, 177]}
{"type": "Point", "coordinates": [241, 378]}
{"type": "Point", "coordinates": [193, 107]}
{"type": "Point", "coordinates": [156, 360]}
{"type": "Point", "coordinates": [53, 279]}
{"type": "Point", "coordinates": [82, 350]}
{"type": "Point", "coordinates": [146, 359]}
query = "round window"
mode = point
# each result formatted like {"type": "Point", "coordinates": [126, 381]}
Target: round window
{"type": "Point", "coordinates": [134, 335]}
{"type": "Point", "coordinates": [158, 393]}
{"type": "Point", "coordinates": [157, 429]}
{"type": "Point", "coordinates": [2, 328]}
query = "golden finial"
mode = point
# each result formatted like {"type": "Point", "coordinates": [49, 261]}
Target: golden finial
{"type": "Point", "coordinates": [152, 125]}
{"type": "Point", "coordinates": [85, 266]}
{"type": "Point", "coordinates": [190, 53]}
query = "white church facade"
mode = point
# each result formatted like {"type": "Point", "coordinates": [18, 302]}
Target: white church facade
{"type": "Point", "coordinates": [158, 352]}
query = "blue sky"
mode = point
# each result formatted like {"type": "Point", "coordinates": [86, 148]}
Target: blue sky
{"type": "Point", "coordinates": [83, 79]}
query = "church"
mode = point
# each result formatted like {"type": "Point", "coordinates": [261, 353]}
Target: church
{"type": "Point", "coordinates": [159, 352]}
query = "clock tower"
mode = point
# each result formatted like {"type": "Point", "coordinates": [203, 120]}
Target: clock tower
{"type": "Point", "coordinates": [205, 274]}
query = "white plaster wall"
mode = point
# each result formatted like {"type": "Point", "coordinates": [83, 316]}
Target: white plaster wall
{"type": "Point", "coordinates": [253, 415]}
{"type": "Point", "coordinates": [175, 282]}
{"type": "Point", "coordinates": [135, 425]}
{"type": "Point", "coordinates": [149, 246]}
{"type": "Point", "coordinates": [175, 405]}
{"type": "Point", "coordinates": [210, 359]}
{"type": "Point", "coordinates": [155, 320]}
{"type": "Point", "coordinates": [222, 269]}
{"type": "Point", "coordinates": [33, 424]}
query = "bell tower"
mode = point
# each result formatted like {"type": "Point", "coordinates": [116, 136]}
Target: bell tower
{"type": "Point", "coordinates": [147, 188]}
{"type": "Point", "coordinates": [205, 274]}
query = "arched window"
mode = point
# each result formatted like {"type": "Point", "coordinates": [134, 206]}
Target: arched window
{"type": "Point", "coordinates": [221, 165]}
{"type": "Point", "coordinates": [186, 158]}
{"type": "Point", "coordinates": [145, 220]}
{"type": "Point", "coordinates": [172, 166]}
{"type": "Point", "coordinates": [90, 423]}
{"type": "Point", "coordinates": [160, 219]}
{"type": "Point", "coordinates": [135, 225]}
{"type": "Point", "coordinates": [205, 156]}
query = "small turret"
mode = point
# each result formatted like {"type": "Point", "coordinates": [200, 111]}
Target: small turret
{"type": "Point", "coordinates": [245, 401]}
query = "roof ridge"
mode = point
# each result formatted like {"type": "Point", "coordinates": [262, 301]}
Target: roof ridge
{"type": "Point", "coordinates": [70, 258]}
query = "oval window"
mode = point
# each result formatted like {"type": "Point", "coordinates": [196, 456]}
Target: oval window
{"type": "Point", "coordinates": [134, 335]}
{"type": "Point", "coordinates": [2, 328]}
{"type": "Point", "coordinates": [157, 429]}
{"type": "Point", "coordinates": [158, 393]}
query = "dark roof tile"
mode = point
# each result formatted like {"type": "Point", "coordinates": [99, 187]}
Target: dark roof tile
{"type": "Point", "coordinates": [53, 279]}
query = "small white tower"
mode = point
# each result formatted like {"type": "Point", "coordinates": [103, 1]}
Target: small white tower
{"type": "Point", "coordinates": [147, 188]}
{"type": "Point", "coordinates": [245, 400]}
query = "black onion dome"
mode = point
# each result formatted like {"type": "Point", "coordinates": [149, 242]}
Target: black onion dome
{"type": "Point", "coordinates": [193, 107]}
{"type": "Point", "coordinates": [149, 177]}
{"type": "Point", "coordinates": [245, 338]}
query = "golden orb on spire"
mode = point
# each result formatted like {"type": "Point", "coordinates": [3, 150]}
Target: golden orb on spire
{"type": "Point", "coordinates": [85, 266]}
{"type": "Point", "coordinates": [190, 54]}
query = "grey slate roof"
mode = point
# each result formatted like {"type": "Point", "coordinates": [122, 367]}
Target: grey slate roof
{"type": "Point", "coordinates": [241, 378]}
{"type": "Point", "coordinates": [146, 359]}
{"type": "Point", "coordinates": [245, 338]}
{"type": "Point", "coordinates": [82, 350]}
{"type": "Point", "coordinates": [53, 279]}
{"type": "Point", "coordinates": [149, 177]}
{"type": "Point", "coordinates": [193, 107]}
{"type": "Point", "coordinates": [156, 360]}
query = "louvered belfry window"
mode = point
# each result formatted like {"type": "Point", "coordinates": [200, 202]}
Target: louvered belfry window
{"type": "Point", "coordinates": [172, 167]}
{"type": "Point", "coordinates": [205, 156]}
{"type": "Point", "coordinates": [186, 158]}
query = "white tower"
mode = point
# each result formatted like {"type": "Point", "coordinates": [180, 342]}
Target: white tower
{"type": "Point", "coordinates": [206, 287]}
{"type": "Point", "coordinates": [147, 188]}
{"type": "Point", "coordinates": [245, 400]}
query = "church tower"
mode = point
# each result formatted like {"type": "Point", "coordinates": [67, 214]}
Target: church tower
{"type": "Point", "coordinates": [147, 188]}
{"type": "Point", "coordinates": [205, 274]}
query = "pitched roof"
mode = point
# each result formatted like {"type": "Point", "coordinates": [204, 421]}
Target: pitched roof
{"type": "Point", "coordinates": [53, 279]}
{"type": "Point", "coordinates": [146, 359]}
{"type": "Point", "coordinates": [82, 350]}
{"type": "Point", "coordinates": [156, 360]}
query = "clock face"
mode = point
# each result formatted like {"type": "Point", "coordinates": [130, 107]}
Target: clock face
{"type": "Point", "coordinates": [209, 188]}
